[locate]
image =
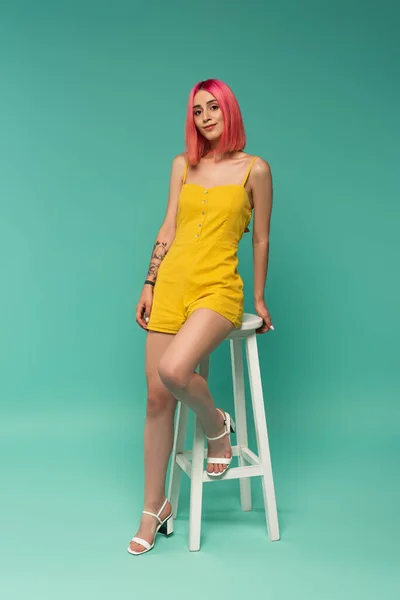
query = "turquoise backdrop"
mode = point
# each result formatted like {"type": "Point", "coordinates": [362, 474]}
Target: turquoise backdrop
{"type": "Point", "coordinates": [92, 106]}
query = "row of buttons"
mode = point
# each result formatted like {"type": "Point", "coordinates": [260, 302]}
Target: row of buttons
{"type": "Point", "coordinates": [203, 213]}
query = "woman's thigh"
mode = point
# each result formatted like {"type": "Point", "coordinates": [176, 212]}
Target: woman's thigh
{"type": "Point", "coordinates": [156, 344]}
{"type": "Point", "coordinates": [203, 331]}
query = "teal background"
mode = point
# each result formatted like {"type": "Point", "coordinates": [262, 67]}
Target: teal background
{"type": "Point", "coordinates": [92, 111]}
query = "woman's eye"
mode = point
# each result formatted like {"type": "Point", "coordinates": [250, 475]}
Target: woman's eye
{"type": "Point", "coordinates": [197, 112]}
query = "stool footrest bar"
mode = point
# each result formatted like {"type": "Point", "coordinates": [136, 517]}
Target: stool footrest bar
{"type": "Point", "coordinates": [253, 470]}
{"type": "Point", "coordinates": [245, 453]}
{"type": "Point", "coordinates": [249, 456]}
{"type": "Point", "coordinates": [236, 473]}
{"type": "Point", "coordinates": [184, 463]}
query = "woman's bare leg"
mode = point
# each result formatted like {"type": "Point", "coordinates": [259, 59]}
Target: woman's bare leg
{"type": "Point", "coordinates": [203, 331]}
{"type": "Point", "coordinates": [158, 436]}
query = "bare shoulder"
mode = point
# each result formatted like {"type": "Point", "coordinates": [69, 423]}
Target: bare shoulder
{"type": "Point", "coordinates": [180, 160]}
{"type": "Point", "coordinates": [261, 184]}
{"type": "Point", "coordinates": [175, 186]}
{"type": "Point", "coordinates": [261, 169]}
{"type": "Point", "coordinates": [178, 166]}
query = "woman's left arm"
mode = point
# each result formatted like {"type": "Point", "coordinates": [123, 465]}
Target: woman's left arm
{"type": "Point", "coordinates": [262, 192]}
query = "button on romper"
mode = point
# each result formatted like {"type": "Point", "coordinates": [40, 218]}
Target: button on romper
{"type": "Point", "coordinates": [200, 268]}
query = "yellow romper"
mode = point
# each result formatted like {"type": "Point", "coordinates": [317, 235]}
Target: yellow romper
{"type": "Point", "coordinates": [200, 268]}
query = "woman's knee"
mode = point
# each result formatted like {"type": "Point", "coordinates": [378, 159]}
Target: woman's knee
{"type": "Point", "coordinates": [159, 399]}
{"type": "Point", "coordinates": [173, 376]}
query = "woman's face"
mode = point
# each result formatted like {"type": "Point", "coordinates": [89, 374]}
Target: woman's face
{"type": "Point", "coordinates": [207, 113]}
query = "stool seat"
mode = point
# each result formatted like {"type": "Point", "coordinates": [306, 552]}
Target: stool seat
{"type": "Point", "coordinates": [191, 461]}
{"type": "Point", "coordinates": [250, 323]}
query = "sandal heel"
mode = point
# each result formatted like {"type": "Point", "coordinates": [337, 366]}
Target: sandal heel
{"type": "Point", "coordinates": [167, 528]}
{"type": "Point", "coordinates": [233, 426]}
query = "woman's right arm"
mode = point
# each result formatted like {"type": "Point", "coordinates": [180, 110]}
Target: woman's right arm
{"type": "Point", "coordinates": [164, 240]}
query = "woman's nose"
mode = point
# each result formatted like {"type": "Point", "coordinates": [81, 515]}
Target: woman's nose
{"type": "Point", "coordinates": [206, 117]}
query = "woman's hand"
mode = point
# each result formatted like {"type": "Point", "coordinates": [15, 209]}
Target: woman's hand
{"type": "Point", "coordinates": [143, 307]}
{"type": "Point", "coordinates": [263, 312]}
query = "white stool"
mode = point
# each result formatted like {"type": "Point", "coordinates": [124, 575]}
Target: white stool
{"type": "Point", "coordinates": [250, 465]}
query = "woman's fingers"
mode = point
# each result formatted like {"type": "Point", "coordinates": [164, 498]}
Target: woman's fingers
{"type": "Point", "coordinates": [142, 315]}
{"type": "Point", "coordinates": [267, 323]}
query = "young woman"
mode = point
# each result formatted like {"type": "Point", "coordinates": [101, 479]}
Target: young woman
{"type": "Point", "coordinates": [193, 295]}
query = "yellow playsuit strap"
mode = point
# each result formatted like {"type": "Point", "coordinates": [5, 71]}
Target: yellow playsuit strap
{"type": "Point", "coordinates": [185, 171]}
{"type": "Point", "coordinates": [248, 171]}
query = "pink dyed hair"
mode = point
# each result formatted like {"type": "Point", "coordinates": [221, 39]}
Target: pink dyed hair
{"type": "Point", "coordinates": [233, 137]}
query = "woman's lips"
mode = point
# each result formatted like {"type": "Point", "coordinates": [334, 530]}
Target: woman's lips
{"type": "Point", "coordinates": [210, 126]}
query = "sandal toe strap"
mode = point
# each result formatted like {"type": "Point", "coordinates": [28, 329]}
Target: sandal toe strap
{"type": "Point", "coordinates": [142, 542]}
{"type": "Point", "coordinates": [219, 461]}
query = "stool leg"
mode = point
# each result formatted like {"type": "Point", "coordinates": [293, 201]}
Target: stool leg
{"type": "Point", "coordinates": [196, 478]}
{"type": "Point", "coordinates": [196, 486]}
{"type": "Point", "coordinates": [179, 446]}
{"type": "Point", "coordinates": [260, 423]}
{"type": "Point", "coordinates": [240, 415]}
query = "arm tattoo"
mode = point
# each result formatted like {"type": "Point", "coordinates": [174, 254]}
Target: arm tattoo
{"type": "Point", "coordinates": [158, 254]}
{"type": "Point", "coordinates": [159, 250]}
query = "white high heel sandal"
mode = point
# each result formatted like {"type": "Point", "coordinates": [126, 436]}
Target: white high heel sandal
{"type": "Point", "coordinates": [166, 527]}
{"type": "Point", "coordinates": [229, 427]}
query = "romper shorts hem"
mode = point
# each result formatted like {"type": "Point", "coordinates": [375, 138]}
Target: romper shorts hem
{"type": "Point", "coordinates": [235, 319]}
{"type": "Point", "coordinates": [161, 329]}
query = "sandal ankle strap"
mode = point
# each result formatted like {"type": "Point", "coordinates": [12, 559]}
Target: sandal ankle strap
{"type": "Point", "coordinates": [218, 436]}
{"type": "Point", "coordinates": [157, 516]}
